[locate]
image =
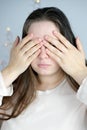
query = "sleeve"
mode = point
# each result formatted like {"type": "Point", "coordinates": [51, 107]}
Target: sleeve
{"type": "Point", "coordinates": [82, 92]}
{"type": "Point", "coordinates": [3, 90]}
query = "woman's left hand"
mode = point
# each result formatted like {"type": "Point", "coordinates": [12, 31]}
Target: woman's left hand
{"type": "Point", "coordinates": [69, 58]}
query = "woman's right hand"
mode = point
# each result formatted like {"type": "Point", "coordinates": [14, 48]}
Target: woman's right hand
{"type": "Point", "coordinates": [22, 54]}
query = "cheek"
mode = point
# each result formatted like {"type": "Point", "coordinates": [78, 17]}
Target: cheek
{"type": "Point", "coordinates": [56, 65]}
{"type": "Point", "coordinates": [34, 63]}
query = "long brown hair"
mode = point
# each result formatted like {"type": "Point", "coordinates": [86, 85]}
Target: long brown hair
{"type": "Point", "coordinates": [25, 85]}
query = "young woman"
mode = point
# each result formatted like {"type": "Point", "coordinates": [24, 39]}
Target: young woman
{"type": "Point", "coordinates": [44, 86]}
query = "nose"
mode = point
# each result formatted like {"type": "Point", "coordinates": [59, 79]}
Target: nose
{"type": "Point", "coordinates": [43, 53]}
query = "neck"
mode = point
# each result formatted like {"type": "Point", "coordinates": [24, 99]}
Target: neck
{"type": "Point", "coordinates": [50, 81]}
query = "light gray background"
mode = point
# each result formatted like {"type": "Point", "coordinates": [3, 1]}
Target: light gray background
{"type": "Point", "coordinates": [14, 12]}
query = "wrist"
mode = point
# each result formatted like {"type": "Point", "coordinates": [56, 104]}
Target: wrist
{"type": "Point", "coordinates": [9, 75]}
{"type": "Point", "coordinates": [80, 75]}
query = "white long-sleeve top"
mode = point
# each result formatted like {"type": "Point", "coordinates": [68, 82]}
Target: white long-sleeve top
{"type": "Point", "coordinates": [57, 109]}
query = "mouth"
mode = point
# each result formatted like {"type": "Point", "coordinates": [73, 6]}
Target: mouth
{"type": "Point", "coordinates": [43, 65]}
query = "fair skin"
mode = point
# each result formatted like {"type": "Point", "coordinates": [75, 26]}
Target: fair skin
{"type": "Point", "coordinates": [49, 53]}
{"type": "Point", "coordinates": [49, 72]}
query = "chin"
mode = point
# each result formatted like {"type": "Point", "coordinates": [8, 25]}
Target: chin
{"type": "Point", "coordinates": [45, 73]}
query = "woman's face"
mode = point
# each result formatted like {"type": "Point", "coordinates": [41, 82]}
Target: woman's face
{"type": "Point", "coordinates": [43, 64]}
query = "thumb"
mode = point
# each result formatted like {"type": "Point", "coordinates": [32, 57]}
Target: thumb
{"type": "Point", "coordinates": [17, 40]}
{"type": "Point", "coordinates": [79, 45]}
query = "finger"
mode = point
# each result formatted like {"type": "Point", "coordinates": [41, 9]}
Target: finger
{"type": "Point", "coordinates": [30, 45]}
{"type": "Point", "coordinates": [34, 55]}
{"type": "Point", "coordinates": [17, 40]}
{"type": "Point", "coordinates": [25, 40]}
{"type": "Point", "coordinates": [79, 45]}
{"type": "Point", "coordinates": [53, 56]}
{"type": "Point", "coordinates": [62, 39]}
{"type": "Point", "coordinates": [56, 43]}
{"type": "Point", "coordinates": [53, 49]}
{"type": "Point", "coordinates": [32, 50]}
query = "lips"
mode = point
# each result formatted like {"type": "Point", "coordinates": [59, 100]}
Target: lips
{"type": "Point", "coordinates": [43, 65]}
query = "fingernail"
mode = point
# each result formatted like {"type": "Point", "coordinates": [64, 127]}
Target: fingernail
{"type": "Point", "coordinates": [46, 36]}
{"type": "Point", "coordinates": [41, 43]}
{"type": "Point", "coordinates": [30, 34]}
{"type": "Point", "coordinates": [39, 39]}
{"type": "Point", "coordinates": [55, 32]}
